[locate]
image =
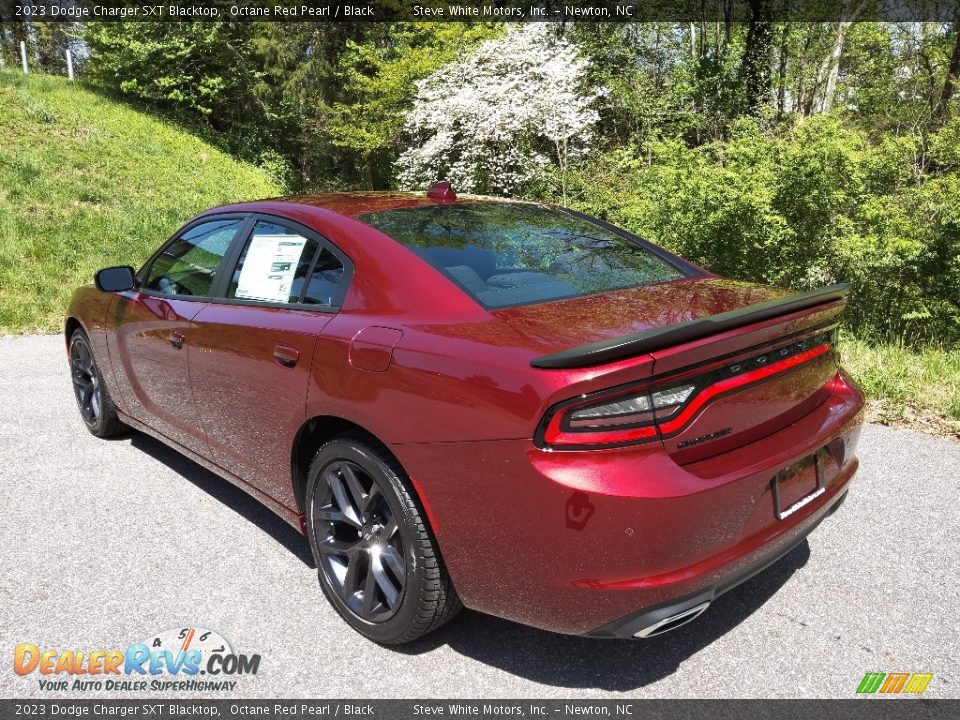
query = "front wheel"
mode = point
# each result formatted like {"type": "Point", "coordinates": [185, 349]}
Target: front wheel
{"type": "Point", "coordinates": [93, 399]}
{"type": "Point", "coordinates": [378, 564]}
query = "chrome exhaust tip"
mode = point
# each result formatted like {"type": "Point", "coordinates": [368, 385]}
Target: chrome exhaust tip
{"type": "Point", "coordinates": [673, 622]}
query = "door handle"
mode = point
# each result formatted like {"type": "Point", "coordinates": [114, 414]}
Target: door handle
{"type": "Point", "coordinates": [286, 356]}
{"type": "Point", "coordinates": [176, 339]}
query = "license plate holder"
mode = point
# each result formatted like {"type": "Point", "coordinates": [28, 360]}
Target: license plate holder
{"type": "Point", "coordinates": [797, 485]}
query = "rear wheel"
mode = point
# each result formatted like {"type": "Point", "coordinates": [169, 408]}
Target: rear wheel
{"type": "Point", "coordinates": [378, 564]}
{"type": "Point", "coordinates": [96, 407]}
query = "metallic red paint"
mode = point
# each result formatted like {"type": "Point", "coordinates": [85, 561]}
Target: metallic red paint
{"type": "Point", "coordinates": [569, 541]}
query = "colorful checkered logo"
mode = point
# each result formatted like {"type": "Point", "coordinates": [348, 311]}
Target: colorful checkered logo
{"type": "Point", "coordinates": [894, 683]}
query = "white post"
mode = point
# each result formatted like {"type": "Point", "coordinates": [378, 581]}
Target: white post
{"type": "Point", "coordinates": [69, 64]}
{"type": "Point", "coordinates": [23, 56]}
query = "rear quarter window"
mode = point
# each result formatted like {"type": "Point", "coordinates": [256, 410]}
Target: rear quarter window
{"type": "Point", "coordinates": [507, 254]}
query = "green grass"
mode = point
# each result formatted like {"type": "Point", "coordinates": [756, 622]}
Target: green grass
{"type": "Point", "coordinates": [87, 182]}
{"type": "Point", "coordinates": [919, 388]}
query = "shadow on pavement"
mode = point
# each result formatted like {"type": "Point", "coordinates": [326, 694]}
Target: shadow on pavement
{"type": "Point", "coordinates": [228, 494]}
{"type": "Point", "coordinates": [544, 657]}
{"type": "Point", "coordinates": [614, 665]}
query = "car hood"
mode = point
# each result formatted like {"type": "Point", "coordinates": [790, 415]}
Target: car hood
{"type": "Point", "coordinates": [553, 326]}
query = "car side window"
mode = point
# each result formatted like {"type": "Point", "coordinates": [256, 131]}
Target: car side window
{"type": "Point", "coordinates": [323, 286]}
{"type": "Point", "coordinates": [279, 265]}
{"type": "Point", "coordinates": [273, 266]}
{"type": "Point", "coordinates": [188, 266]}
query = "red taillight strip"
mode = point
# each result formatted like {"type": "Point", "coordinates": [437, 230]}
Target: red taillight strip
{"type": "Point", "coordinates": [731, 383]}
{"type": "Point", "coordinates": [554, 435]}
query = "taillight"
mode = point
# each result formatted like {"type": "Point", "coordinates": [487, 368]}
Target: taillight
{"type": "Point", "coordinates": [635, 414]}
{"type": "Point", "coordinates": [623, 420]}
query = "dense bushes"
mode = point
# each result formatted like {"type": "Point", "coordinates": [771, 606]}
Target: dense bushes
{"type": "Point", "coordinates": [815, 203]}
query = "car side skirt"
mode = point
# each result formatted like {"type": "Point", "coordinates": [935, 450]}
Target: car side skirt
{"type": "Point", "coordinates": [288, 514]}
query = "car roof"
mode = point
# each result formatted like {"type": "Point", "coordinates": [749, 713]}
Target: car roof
{"type": "Point", "coordinates": [354, 204]}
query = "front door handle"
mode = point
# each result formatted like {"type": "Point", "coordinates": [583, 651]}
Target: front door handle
{"type": "Point", "coordinates": [176, 339]}
{"type": "Point", "coordinates": [286, 356]}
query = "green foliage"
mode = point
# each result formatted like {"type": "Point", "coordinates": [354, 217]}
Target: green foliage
{"type": "Point", "coordinates": [814, 204]}
{"type": "Point", "coordinates": [379, 77]}
{"type": "Point", "coordinates": [944, 148]}
{"type": "Point", "coordinates": [87, 182]}
{"type": "Point", "coordinates": [188, 67]}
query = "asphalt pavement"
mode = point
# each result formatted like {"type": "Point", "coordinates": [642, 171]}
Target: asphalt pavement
{"type": "Point", "coordinates": [104, 542]}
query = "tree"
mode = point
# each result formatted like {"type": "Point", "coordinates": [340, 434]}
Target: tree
{"type": "Point", "coordinates": [953, 70]}
{"type": "Point", "coordinates": [11, 35]}
{"type": "Point", "coordinates": [297, 85]}
{"type": "Point", "coordinates": [51, 41]}
{"type": "Point", "coordinates": [505, 115]}
{"type": "Point", "coordinates": [196, 69]}
{"type": "Point", "coordinates": [379, 75]}
{"type": "Point", "coordinates": [756, 56]}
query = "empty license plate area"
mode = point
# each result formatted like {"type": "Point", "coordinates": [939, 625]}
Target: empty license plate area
{"type": "Point", "coordinates": [797, 485]}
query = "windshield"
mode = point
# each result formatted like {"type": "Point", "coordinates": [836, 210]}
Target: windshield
{"type": "Point", "coordinates": [506, 254]}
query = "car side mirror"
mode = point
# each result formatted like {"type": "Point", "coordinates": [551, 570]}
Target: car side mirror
{"type": "Point", "coordinates": [115, 279]}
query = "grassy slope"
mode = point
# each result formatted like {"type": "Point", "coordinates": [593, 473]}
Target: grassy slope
{"type": "Point", "coordinates": [919, 389]}
{"type": "Point", "coordinates": [87, 182]}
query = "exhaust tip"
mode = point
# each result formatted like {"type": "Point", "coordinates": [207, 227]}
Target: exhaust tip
{"type": "Point", "coordinates": [673, 622]}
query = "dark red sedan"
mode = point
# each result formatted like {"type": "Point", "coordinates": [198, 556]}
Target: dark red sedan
{"type": "Point", "coordinates": [489, 402]}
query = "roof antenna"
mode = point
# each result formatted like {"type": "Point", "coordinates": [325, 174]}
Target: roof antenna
{"type": "Point", "coordinates": [442, 192]}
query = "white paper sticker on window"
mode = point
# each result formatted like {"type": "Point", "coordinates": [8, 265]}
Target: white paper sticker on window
{"type": "Point", "coordinates": [269, 267]}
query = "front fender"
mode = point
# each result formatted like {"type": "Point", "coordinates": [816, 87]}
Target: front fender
{"type": "Point", "coordinates": [90, 310]}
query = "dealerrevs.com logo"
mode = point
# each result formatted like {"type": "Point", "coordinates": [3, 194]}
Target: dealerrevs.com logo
{"type": "Point", "coordinates": [184, 659]}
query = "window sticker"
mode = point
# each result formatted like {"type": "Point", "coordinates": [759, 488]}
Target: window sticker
{"type": "Point", "coordinates": [269, 267]}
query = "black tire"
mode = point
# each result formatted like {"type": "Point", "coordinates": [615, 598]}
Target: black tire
{"type": "Point", "coordinates": [355, 491]}
{"type": "Point", "coordinates": [96, 406]}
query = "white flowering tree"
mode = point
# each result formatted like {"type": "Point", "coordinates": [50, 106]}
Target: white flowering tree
{"type": "Point", "coordinates": [502, 116]}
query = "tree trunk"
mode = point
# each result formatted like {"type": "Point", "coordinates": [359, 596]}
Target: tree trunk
{"type": "Point", "coordinates": [803, 98]}
{"type": "Point", "coordinates": [942, 113]}
{"type": "Point", "coordinates": [727, 22]}
{"type": "Point", "coordinates": [930, 71]}
{"type": "Point", "coordinates": [833, 65]}
{"type": "Point", "coordinates": [782, 71]}
{"type": "Point", "coordinates": [756, 56]}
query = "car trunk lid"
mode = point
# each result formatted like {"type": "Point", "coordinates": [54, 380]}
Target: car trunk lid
{"type": "Point", "coordinates": [724, 364]}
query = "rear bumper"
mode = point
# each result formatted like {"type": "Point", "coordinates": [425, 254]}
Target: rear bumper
{"type": "Point", "coordinates": [654, 621]}
{"type": "Point", "coordinates": [606, 543]}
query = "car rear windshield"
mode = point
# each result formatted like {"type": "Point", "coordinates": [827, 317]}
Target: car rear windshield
{"type": "Point", "coordinates": [507, 254]}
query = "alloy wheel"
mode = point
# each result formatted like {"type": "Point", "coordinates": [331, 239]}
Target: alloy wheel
{"type": "Point", "coordinates": [359, 544]}
{"type": "Point", "coordinates": [86, 382]}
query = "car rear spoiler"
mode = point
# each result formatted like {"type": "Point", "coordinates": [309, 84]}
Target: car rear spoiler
{"type": "Point", "coordinates": [659, 338]}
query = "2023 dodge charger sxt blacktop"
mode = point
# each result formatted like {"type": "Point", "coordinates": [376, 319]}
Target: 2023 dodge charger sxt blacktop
{"type": "Point", "coordinates": [492, 402]}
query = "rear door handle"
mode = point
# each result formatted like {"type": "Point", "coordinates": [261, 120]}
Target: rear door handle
{"type": "Point", "coordinates": [286, 356]}
{"type": "Point", "coordinates": [176, 339]}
